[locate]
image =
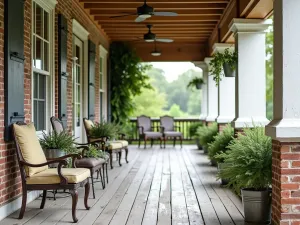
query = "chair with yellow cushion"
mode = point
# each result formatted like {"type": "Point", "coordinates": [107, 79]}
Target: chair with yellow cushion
{"type": "Point", "coordinates": [36, 175]}
{"type": "Point", "coordinates": [111, 147]}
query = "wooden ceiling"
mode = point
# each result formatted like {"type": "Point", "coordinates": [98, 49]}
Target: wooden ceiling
{"type": "Point", "coordinates": [194, 24]}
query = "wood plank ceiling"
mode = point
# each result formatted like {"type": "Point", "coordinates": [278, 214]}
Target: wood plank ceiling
{"type": "Point", "coordinates": [194, 24]}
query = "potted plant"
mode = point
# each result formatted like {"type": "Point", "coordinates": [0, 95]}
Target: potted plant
{"type": "Point", "coordinates": [250, 170]}
{"type": "Point", "coordinates": [95, 152]}
{"type": "Point", "coordinates": [206, 135]}
{"type": "Point", "coordinates": [196, 82]}
{"type": "Point", "coordinates": [57, 144]}
{"type": "Point", "coordinates": [193, 130]}
{"type": "Point", "coordinates": [223, 64]}
{"type": "Point", "coordinates": [104, 129]}
{"type": "Point", "coordinates": [218, 147]}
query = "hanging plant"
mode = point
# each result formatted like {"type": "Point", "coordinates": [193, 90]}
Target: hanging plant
{"type": "Point", "coordinates": [223, 64]}
{"type": "Point", "coordinates": [128, 78]}
{"type": "Point", "coordinates": [196, 82]}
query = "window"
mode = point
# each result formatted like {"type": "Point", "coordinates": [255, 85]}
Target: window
{"type": "Point", "coordinates": [102, 82]}
{"type": "Point", "coordinates": [41, 61]}
{"type": "Point", "coordinates": [101, 87]}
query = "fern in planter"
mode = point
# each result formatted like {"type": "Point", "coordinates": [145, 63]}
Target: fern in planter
{"type": "Point", "coordinates": [196, 82]}
{"type": "Point", "coordinates": [206, 134]}
{"type": "Point", "coordinates": [250, 157]}
{"type": "Point", "coordinates": [218, 61]}
{"type": "Point", "coordinates": [94, 152]}
{"type": "Point", "coordinates": [128, 78]}
{"type": "Point", "coordinates": [220, 144]}
{"type": "Point", "coordinates": [194, 127]}
{"type": "Point", "coordinates": [104, 129]}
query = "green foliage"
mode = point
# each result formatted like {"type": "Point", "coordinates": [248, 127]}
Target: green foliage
{"type": "Point", "coordinates": [206, 134]}
{"type": "Point", "coordinates": [250, 160]}
{"type": "Point", "coordinates": [175, 111]}
{"type": "Point", "coordinates": [128, 79]}
{"type": "Point", "coordinates": [194, 82]}
{"type": "Point", "coordinates": [104, 129]}
{"type": "Point", "coordinates": [63, 141]}
{"type": "Point", "coordinates": [94, 152]}
{"type": "Point", "coordinates": [217, 63]}
{"type": "Point", "coordinates": [269, 72]}
{"type": "Point", "coordinates": [219, 145]}
{"type": "Point", "coordinates": [194, 127]}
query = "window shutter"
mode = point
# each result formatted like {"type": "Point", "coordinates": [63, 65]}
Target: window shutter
{"type": "Point", "coordinates": [62, 69]}
{"type": "Point", "coordinates": [91, 82]}
{"type": "Point", "coordinates": [13, 64]}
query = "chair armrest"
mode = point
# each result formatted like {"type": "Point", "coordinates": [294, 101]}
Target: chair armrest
{"type": "Point", "coordinates": [73, 156]}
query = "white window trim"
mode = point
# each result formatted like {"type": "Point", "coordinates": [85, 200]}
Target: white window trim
{"type": "Point", "coordinates": [79, 31]}
{"type": "Point", "coordinates": [103, 54]}
{"type": "Point", "coordinates": [48, 6]}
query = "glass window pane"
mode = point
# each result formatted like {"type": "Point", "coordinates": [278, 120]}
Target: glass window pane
{"type": "Point", "coordinates": [46, 58]}
{"type": "Point", "coordinates": [42, 87]}
{"type": "Point", "coordinates": [38, 20]}
{"type": "Point", "coordinates": [101, 81]}
{"type": "Point", "coordinates": [35, 85]}
{"type": "Point", "coordinates": [41, 115]}
{"type": "Point", "coordinates": [78, 53]}
{"type": "Point", "coordinates": [46, 26]}
{"type": "Point", "coordinates": [33, 6]}
{"type": "Point", "coordinates": [78, 74]}
{"type": "Point", "coordinates": [101, 106]}
{"type": "Point", "coordinates": [78, 93]}
{"type": "Point", "coordinates": [38, 53]}
{"type": "Point", "coordinates": [35, 114]}
{"type": "Point", "coordinates": [33, 53]}
{"type": "Point", "coordinates": [101, 64]}
{"type": "Point", "coordinates": [78, 114]}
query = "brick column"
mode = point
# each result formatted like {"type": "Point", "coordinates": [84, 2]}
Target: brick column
{"type": "Point", "coordinates": [285, 128]}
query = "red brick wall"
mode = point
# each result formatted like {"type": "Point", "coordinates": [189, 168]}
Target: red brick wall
{"type": "Point", "coordinates": [286, 183]}
{"type": "Point", "coordinates": [10, 183]}
{"type": "Point", "coordinates": [221, 126]}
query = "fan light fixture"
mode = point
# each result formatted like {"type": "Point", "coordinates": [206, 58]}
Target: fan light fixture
{"type": "Point", "coordinates": [155, 53]}
{"type": "Point", "coordinates": [149, 40]}
{"type": "Point", "coordinates": [145, 16]}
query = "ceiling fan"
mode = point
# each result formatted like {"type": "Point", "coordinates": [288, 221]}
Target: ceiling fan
{"type": "Point", "coordinates": [145, 11]}
{"type": "Point", "coordinates": [151, 37]}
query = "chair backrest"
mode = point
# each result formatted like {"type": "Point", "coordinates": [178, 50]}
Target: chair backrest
{"type": "Point", "coordinates": [56, 125]}
{"type": "Point", "coordinates": [167, 122]}
{"type": "Point", "coordinates": [28, 148]}
{"type": "Point", "coordinates": [88, 124]}
{"type": "Point", "coordinates": [144, 121]}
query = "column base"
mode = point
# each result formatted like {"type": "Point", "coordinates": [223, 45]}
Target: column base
{"type": "Point", "coordinates": [224, 119]}
{"type": "Point", "coordinates": [221, 126]}
{"type": "Point", "coordinates": [202, 117]}
{"type": "Point", "coordinates": [249, 122]}
{"type": "Point", "coordinates": [211, 118]}
{"type": "Point", "coordinates": [284, 130]}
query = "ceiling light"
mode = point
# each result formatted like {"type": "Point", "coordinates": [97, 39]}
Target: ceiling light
{"type": "Point", "coordinates": [155, 53]}
{"type": "Point", "coordinates": [145, 16]}
{"type": "Point", "coordinates": [149, 40]}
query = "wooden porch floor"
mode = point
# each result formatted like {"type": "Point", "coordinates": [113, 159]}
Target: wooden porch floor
{"type": "Point", "coordinates": [158, 186]}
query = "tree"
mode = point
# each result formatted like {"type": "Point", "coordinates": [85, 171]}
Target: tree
{"type": "Point", "coordinates": [175, 111]}
{"type": "Point", "coordinates": [150, 102]}
{"type": "Point", "coordinates": [194, 103]}
{"type": "Point", "coordinates": [269, 72]}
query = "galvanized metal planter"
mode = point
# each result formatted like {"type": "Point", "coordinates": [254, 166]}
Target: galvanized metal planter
{"type": "Point", "coordinates": [198, 144]}
{"type": "Point", "coordinates": [257, 206]}
{"type": "Point", "coordinates": [199, 86]}
{"type": "Point", "coordinates": [228, 71]}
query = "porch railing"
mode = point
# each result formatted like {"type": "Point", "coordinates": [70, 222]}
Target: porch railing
{"type": "Point", "coordinates": [183, 123]}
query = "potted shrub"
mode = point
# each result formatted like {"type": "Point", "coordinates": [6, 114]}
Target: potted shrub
{"type": "Point", "coordinates": [219, 145]}
{"type": "Point", "coordinates": [104, 129]}
{"type": "Point", "coordinates": [250, 159]}
{"type": "Point", "coordinates": [57, 144]}
{"type": "Point", "coordinates": [206, 135]}
{"type": "Point", "coordinates": [193, 130]}
{"type": "Point", "coordinates": [196, 82]}
{"type": "Point", "coordinates": [223, 64]}
{"type": "Point", "coordinates": [95, 152]}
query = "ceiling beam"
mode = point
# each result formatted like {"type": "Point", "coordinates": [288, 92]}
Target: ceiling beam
{"type": "Point", "coordinates": [154, 1]}
{"type": "Point", "coordinates": [204, 24]}
{"type": "Point", "coordinates": [158, 29]}
{"type": "Point", "coordinates": [195, 12]}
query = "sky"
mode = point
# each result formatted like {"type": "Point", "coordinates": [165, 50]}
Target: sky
{"type": "Point", "coordinates": [174, 69]}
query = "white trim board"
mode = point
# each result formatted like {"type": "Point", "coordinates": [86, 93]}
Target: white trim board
{"type": "Point", "coordinates": [80, 31]}
{"type": "Point", "coordinates": [15, 205]}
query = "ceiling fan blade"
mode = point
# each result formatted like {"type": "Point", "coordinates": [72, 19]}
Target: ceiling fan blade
{"type": "Point", "coordinates": [128, 14]}
{"type": "Point", "coordinates": [165, 14]}
{"type": "Point", "coordinates": [140, 19]}
{"type": "Point", "coordinates": [166, 40]}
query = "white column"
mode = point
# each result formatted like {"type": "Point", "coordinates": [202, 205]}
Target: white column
{"type": "Point", "coordinates": [286, 124]}
{"type": "Point", "coordinates": [226, 92]}
{"type": "Point", "coordinates": [250, 87]}
{"type": "Point", "coordinates": [203, 66]}
{"type": "Point", "coordinates": [212, 96]}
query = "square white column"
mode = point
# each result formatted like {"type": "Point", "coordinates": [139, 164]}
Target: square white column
{"type": "Point", "coordinates": [226, 91]}
{"type": "Point", "coordinates": [250, 86]}
{"type": "Point", "coordinates": [286, 124]}
{"type": "Point", "coordinates": [203, 66]}
{"type": "Point", "coordinates": [212, 96]}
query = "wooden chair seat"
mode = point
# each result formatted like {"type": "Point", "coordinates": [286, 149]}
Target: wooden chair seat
{"type": "Point", "coordinates": [50, 176]}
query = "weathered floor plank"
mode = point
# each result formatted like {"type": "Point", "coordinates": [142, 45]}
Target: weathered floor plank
{"type": "Point", "coordinates": [158, 187]}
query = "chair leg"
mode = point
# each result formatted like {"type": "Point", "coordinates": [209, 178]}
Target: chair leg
{"type": "Point", "coordinates": [74, 194]}
{"type": "Point", "coordinates": [43, 199]}
{"type": "Point", "coordinates": [102, 177]}
{"type": "Point", "coordinates": [97, 174]}
{"type": "Point", "coordinates": [145, 140]}
{"type": "Point", "coordinates": [120, 156]}
{"type": "Point", "coordinates": [181, 142]}
{"type": "Point", "coordinates": [24, 201]}
{"type": "Point", "coordinates": [139, 142]}
{"type": "Point", "coordinates": [106, 172]}
{"type": "Point", "coordinates": [93, 188]}
{"type": "Point", "coordinates": [165, 139]}
{"type": "Point", "coordinates": [174, 142]}
{"type": "Point", "coordinates": [126, 155]}
{"type": "Point", "coordinates": [86, 195]}
{"type": "Point", "coordinates": [152, 142]}
{"type": "Point", "coordinates": [111, 160]}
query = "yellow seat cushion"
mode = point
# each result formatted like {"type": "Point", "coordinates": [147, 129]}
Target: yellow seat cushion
{"type": "Point", "coordinates": [50, 176]}
{"type": "Point", "coordinates": [30, 147]}
{"type": "Point", "coordinates": [88, 124]}
{"type": "Point", "coordinates": [123, 142]}
{"type": "Point", "coordinates": [115, 145]}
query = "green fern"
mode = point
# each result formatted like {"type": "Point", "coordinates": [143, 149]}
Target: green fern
{"type": "Point", "coordinates": [220, 144]}
{"type": "Point", "coordinates": [206, 134]}
{"type": "Point", "coordinates": [250, 157]}
{"type": "Point", "coordinates": [94, 152]}
{"type": "Point", "coordinates": [104, 129]}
